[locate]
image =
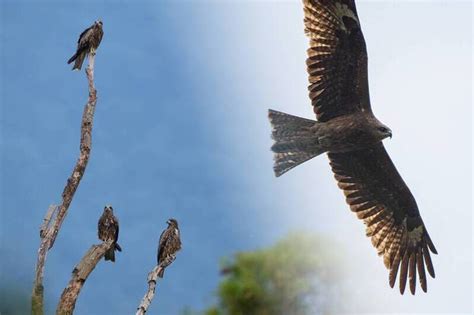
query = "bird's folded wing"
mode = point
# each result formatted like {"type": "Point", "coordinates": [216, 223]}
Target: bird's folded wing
{"type": "Point", "coordinates": [116, 226]}
{"type": "Point", "coordinates": [85, 34]}
{"type": "Point", "coordinates": [378, 195]}
{"type": "Point", "coordinates": [337, 58]}
{"type": "Point", "coordinates": [164, 237]}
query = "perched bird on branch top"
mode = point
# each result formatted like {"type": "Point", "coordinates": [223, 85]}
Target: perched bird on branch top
{"type": "Point", "coordinates": [88, 43]}
{"type": "Point", "coordinates": [169, 244]}
{"type": "Point", "coordinates": [351, 134]}
{"type": "Point", "coordinates": [109, 230]}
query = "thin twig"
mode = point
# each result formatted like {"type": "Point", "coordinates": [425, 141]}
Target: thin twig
{"type": "Point", "coordinates": [50, 230]}
{"type": "Point", "coordinates": [79, 276]}
{"type": "Point", "coordinates": [152, 279]}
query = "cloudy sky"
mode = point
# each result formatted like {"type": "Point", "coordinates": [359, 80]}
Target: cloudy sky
{"type": "Point", "coordinates": [181, 131]}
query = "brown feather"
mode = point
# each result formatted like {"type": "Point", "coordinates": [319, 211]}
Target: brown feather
{"type": "Point", "coordinates": [169, 243]}
{"type": "Point", "coordinates": [412, 272]}
{"type": "Point", "coordinates": [394, 269]}
{"type": "Point", "coordinates": [429, 264]}
{"type": "Point", "coordinates": [403, 272]}
{"type": "Point", "coordinates": [108, 229]}
{"type": "Point", "coordinates": [421, 269]}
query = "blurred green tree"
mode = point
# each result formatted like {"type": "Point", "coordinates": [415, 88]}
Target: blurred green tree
{"type": "Point", "coordinates": [14, 300]}
{"type": "Point", "coordinates": [297, 276]}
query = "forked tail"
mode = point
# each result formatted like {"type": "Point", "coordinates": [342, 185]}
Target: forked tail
{"type": "Point", "coordinates": [295, 141]}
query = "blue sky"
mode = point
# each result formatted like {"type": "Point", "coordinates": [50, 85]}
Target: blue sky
{"type": "Point", "coordinates": [180, 131]}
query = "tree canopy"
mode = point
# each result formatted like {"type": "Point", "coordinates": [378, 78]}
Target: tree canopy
{"type": "Point", "coordinates": [298, 276]}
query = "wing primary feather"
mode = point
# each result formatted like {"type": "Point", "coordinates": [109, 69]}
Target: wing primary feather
{"type": "Point", "coordinates": [392, 277]}
{"type": "Point", "coordinates": [392, 247]}
{"type": "Point", "coordinates": [428, 263]}
{"type": "Point", "coordinates": [412, 272]}
{"type": "Point", "coordinates": [403, 272]}
{"type": "Point", "coordinates": [430, 243]}
{"type": "Point", "coordinates": [421, 269]}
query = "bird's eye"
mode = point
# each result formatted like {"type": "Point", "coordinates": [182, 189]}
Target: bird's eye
{"type": "Point", "coordinates": [383, 129]}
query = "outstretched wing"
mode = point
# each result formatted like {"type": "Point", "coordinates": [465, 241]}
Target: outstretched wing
{"type": "Point", "coordinates": [378, 195]}
{"type": "Point", "coordinates": [337, 58]}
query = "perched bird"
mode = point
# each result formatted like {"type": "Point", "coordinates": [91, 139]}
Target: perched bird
{"type": "Point", "coordinates": [169, 243]}
{"type": "Point", "coordinates": [88, 43]}
{"type": "Point", "coordinates": [109, 230]}
{"type": "Point", "coordinates": [347, 129]}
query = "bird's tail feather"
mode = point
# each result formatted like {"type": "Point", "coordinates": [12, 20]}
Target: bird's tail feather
{"type": "Point", "coordinates": [79, 60]}
{"type": "Point", "coordinates": [110, 254]}
{"type": "Point", "coordinates": [295, 142]}
{"type": "Point", "coordinates": [72, 58]}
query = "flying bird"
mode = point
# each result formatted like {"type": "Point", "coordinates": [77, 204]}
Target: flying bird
{"type": "Point", "coordinates": [88, 43]}
{"type": "Point", "coordinates": [352, 136]}
{"type": "Point", "coordinates": [169, 243]}
{"type": "Point", "coordinates": [108, 229]}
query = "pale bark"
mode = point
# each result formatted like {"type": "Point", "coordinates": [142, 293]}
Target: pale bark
{"type": "Point", "coordinates": [54, 218]}
{"type": "Point", "coordinates": [152, 280]}
{"type": "Point", "coordinates": [79, 276]}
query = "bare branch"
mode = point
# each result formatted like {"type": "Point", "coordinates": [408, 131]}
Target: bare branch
{"type": "Point", "coordinates": [152, 279]}
{"type": "Point", "coordinates": [79, 276]}
{"type": "Point", "coordinates": [47, 220]}
{"type": "Point", "coordinates": [51, 226]}
{"type": "Point", "coordinates": [45, 230]}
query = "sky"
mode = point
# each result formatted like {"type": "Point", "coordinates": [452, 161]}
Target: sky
{"type": "Point", "coordinates": [181, 131]}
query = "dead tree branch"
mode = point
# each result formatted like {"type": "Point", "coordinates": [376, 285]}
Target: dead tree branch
{"type": "Point", "coordinates": [79, 276]}
{"type": "Point", "coordinates": [50, 228]}
{"type": "Point", "coordinates": [152, 279]}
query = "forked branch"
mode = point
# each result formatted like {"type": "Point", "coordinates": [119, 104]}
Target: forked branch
{"type": "Point", "coordinates": [56, 214]}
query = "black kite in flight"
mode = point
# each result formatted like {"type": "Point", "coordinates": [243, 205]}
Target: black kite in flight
{"type": "Point", "coordinates": [169, 244]}
{"type": "Point", "coordinates": [347, 129]}
{"type": "Point", "coordinates": [88, 43]}
{"type": "Point", "coordinates": [108, 229]}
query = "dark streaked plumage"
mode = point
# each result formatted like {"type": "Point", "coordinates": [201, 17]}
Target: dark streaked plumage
{"type": "Point", "coordinates": [352, 136]}
{"type": "Point", "coordinates": [169, 244]}
{"type": "Point", "coordinates": [108, 229]}
{"type": "Point", "coordinates": [88, 42]}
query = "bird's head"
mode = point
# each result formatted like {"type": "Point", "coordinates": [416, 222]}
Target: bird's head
{"type": "Point", "coordinates": [98, 23]}
{"type": "Point", "coordinates": [108, 208]}
{"type": "Point", "coordinates": [172, 222]}
{"type": "Point", "coordinates": [381, 131]}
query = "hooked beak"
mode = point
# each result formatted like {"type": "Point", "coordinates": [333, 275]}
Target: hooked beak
{"type": "Point", "coordinates": [390, 134]}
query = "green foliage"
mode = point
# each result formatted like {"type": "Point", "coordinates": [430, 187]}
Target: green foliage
{"type": "Point", "coordinates": [297, 276]}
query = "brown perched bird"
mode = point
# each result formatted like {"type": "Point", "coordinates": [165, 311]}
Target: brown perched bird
{"type": "Point", "coordinates": [88, 42]}
{"type": "Point", "coordinates": [169, 243]}
{"type": "Point", "coordinates": [347, 129]}
{"type": "Point", "coordinates": [109, 230]}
